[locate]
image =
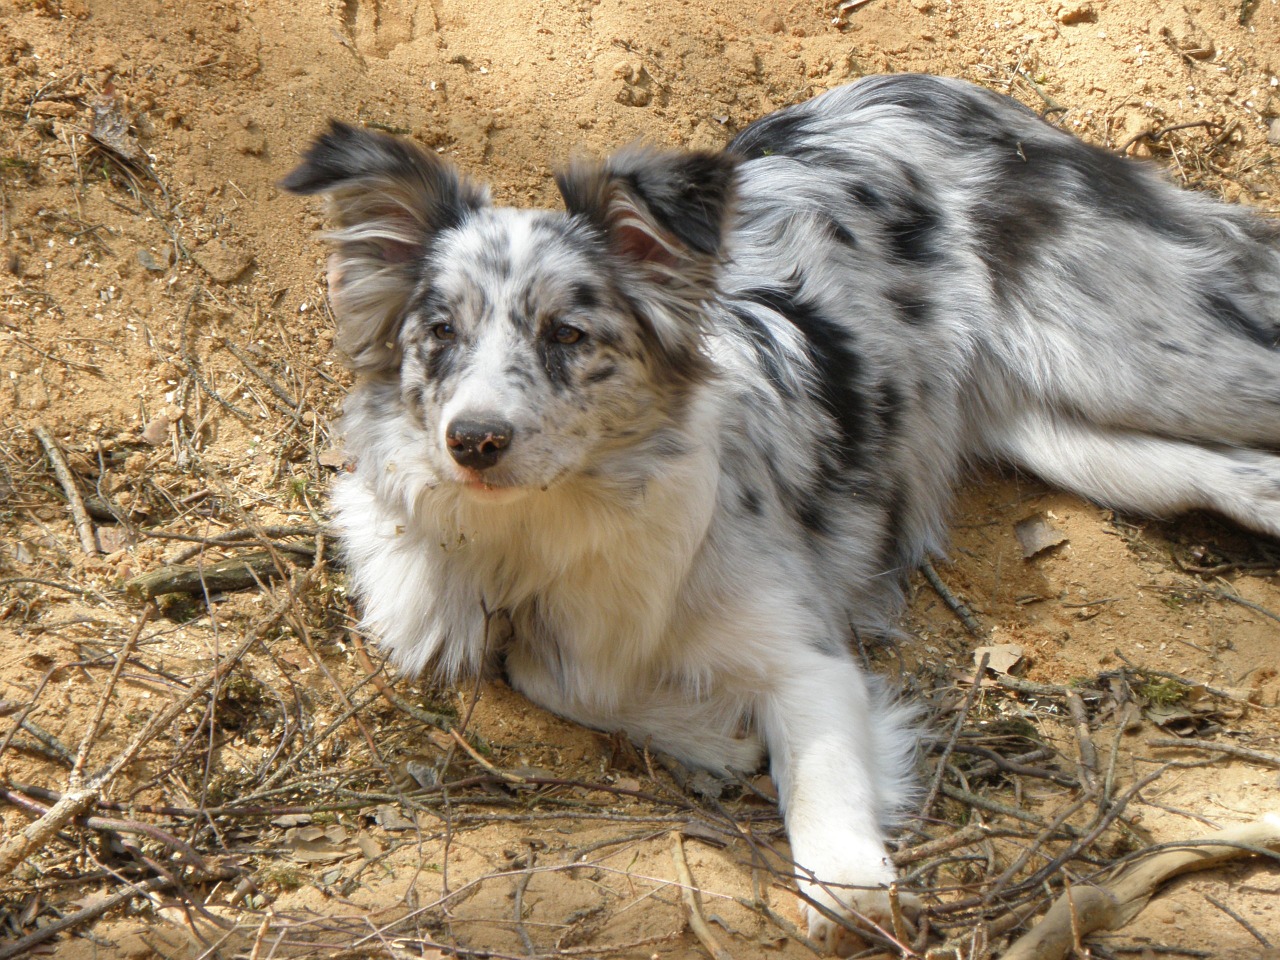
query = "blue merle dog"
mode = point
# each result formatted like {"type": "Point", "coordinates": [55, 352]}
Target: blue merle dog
{"type": "Point", "coordinates": [688, 432]}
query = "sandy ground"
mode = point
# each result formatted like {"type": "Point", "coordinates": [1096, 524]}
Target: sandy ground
{"type": "Point", "coordinates": [145, 242]}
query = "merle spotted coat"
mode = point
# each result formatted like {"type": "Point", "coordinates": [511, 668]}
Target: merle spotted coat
{"type": "Point", "coordinates": [689, 432]}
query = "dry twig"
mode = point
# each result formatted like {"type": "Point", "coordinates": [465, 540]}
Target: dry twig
{"type": "Point", "coordinates": [958, 606]}
{"type": "Point", "coordinates": [84, 526]}
{"type": "Point", "coordinates": [1230, 749]}
{"type": "Point", "coordinates": [693, 902]}
{"type": "Point", "coordinates": [941, 772]}
{"type": "Point", "coordinates": [76, 801]}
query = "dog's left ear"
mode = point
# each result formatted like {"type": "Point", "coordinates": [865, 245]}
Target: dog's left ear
{"type": "Point", "coordinates": [663, 215]}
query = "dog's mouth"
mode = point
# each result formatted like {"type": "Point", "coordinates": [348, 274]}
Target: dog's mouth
{"type": "Point", "coordinates": [482, 486]}
{"type": "Point", "coordinates": [488, 489]}
{"type": "Point", "coordinates": [502, 486]}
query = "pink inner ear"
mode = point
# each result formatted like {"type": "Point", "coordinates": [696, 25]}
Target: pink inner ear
{"type": "Point", "coordinates": [334, 273]}
{"type": "Point", "coordinates": [635, 243]}
{"type": "Point", "coordinates": [393, 252]}
{"type": "Point", "coordinates": [397, 240]}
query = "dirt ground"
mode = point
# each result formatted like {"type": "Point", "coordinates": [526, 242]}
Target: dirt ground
{"type": "Point", "coordinates": [163, 323]}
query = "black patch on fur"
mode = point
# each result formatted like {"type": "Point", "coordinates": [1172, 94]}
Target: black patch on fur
{"type": "Point", "coordinates": [1038, 173]}
{"type": "Point", "coordinates": [779, 134]}
{"type": "Point", "coordinates": [601, 374]}
{"type": "Point", "coordinates": [494, 260]}
{"type": "Point", "coordinates": [1232, 316]}
{"type": "Point", "coordinates": [865, 195]}
{"type": "Point", "coordinates": [806, 503]}
{"type": "Point", "coordinates": [1104, 181]}
{"type": "Point", "coordinates": [583, 297]}
{"type": "Point", "coordinates": [912, 230]}
{"type": "Point", "coordinates": [1031, 169]}
{"type": "Point", "coordinates": [811, 516]}
{"type": "Point", "coordinates": [557, 362]}
{"type": "Point", "coordinates": [688, 194]}
{"type": "Point", "coordinates": [768, 352]}
{"type": "Point", "coordinates": [892, 405]}
{"type": "Point", "coordinates": [1013, 225]}
{"type": "Point", "coordinates": [910, 222]}
{"type": "Point", "coordinates": [895, 544]}
{"type": "Point", "coordinates": [837, 363]}
{"type": "Point", "coordinates": [911, 305]}
{"type": "Point", "coordinates": [840, 233]}
{"type": "Point", "coordinates": [517, 370]}
{"type": "Point", "coordinates": [750, 501]}
{"type": "Point", "coordinates": [439, 360]}
{"type": "Point", "coordinates": [344, 154]}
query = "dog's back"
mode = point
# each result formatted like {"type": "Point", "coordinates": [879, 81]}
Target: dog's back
{"type": "Point", "coordinates": [1000, 289]}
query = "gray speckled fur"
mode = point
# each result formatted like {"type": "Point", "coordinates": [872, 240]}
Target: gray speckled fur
{"type": "Point", "coordinates": [790, 351]}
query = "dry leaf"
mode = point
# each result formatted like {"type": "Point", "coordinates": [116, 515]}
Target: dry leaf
{"type": "Point", "coordinates": [368, 846]}
{"type": "Point", "coordinates": [319, 844]}
{"type": "Point", "coordinates": [110, 128]}
{"type": "Point", "coordinates": [1001, 657]}
{"type": "Point", "coordinates": [1036, 535]}
{"type": "Point", "coordinates": [391, 819]}
{"type": "Point", "coordinates": [156, 431]}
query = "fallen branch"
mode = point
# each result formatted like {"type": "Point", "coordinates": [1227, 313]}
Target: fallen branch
{"type": "Point", "coordinates": [84, 526]}
{"type": "Point", "coordinates": [35, 835]}
{"type": "Point", "coordinates": [106, 825]}
{"type": "Point", "coordinates": [1110, 904]}
{"type": "Point", "coordinates": [235, 573]}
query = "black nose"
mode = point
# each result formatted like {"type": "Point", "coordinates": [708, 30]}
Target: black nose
{"type": "Point", "coordinates": [478, 444]}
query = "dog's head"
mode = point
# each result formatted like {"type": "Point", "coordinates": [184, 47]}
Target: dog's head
{"type": "Point", "coordinates": [525, 343]}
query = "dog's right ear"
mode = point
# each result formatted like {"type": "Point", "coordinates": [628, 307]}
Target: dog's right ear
{"type": "Point", "coordinates": [390, 199]}
{"type": "Point", "coordinates": [664, 216]}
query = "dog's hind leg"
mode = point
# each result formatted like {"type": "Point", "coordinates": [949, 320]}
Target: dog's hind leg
{"type": "Point", "coordinates": [1140, 472]}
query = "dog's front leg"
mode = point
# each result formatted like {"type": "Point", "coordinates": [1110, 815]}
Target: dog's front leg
{"type": "Point", "coordinates": [835, 774]}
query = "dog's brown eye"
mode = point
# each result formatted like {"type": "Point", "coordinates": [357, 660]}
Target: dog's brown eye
{"type": "Point", "coordinates": [566, 334]}
{"type": "Point", "coordinates": [443, 331]}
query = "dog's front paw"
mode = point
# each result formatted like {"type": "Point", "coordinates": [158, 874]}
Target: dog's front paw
{"type": "Point", "coordinates": [868, 909]}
